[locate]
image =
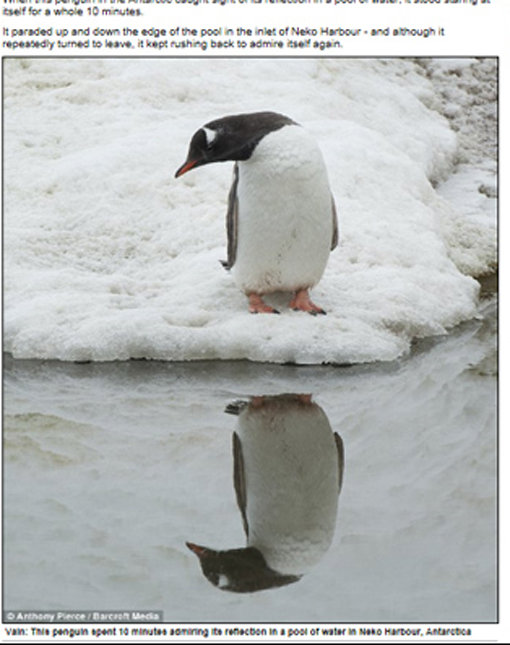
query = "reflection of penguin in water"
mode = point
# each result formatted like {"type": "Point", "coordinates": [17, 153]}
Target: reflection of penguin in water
{"type": "Point", "coordinates": [288, 467]}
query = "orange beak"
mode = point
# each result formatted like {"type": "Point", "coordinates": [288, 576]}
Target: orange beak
{"type": "Point", "coordinates": [187, 165]}
{"type": "Point", "coordinates": [197, 550]}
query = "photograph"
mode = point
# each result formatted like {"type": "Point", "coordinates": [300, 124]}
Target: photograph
{"type": "Point", "coordinates": [250, 335]}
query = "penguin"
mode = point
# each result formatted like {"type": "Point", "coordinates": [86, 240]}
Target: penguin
{"type": "Point", "coordinates": [281, 218]}
{"type": "Point", "coordinates": [288, 471]}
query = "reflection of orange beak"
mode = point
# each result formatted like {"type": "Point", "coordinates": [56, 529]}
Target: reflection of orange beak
{"type": "Point", "coordinates": [198, 550]}
{"type": "Point", "coordinates": [187, 165]}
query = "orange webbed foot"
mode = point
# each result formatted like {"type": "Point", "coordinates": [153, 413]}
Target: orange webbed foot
{"type": "Point", "coordinates": [302, 302]}
{"type": "Point", "coordinates": [258, 306]}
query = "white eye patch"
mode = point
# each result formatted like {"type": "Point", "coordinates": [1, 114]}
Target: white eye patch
{"type": "Point", "coordinates": [210, 135]}
{"type": "Point", "coordinates": [223, 581]}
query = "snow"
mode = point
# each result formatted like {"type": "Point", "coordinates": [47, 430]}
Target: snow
{"type": "Point", "coordinates": [108, 257]}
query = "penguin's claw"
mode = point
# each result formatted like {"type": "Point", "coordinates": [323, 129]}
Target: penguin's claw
{"type": "Point", "coordinates": [266, 310]}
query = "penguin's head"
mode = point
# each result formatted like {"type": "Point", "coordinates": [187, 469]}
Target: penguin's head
{"type": "Point", "coordinates": [239, 570]}
{"type": "Point", "coordinates": [230, 138]}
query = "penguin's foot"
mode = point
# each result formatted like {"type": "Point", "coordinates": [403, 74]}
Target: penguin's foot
{"type": "Point", "coordinates": [302, 302]}
{"type": "Point", "coordinates": [257, 401]}
{"type": "Point", "coordinates": [258, 306]}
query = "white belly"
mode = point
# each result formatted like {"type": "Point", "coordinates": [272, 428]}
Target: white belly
{"type": "Point", "coordinates": [291, 472]}
{"type": "Point", "coordinates": [285, 220]}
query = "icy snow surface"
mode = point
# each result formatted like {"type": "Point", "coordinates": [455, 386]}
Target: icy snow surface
{"type": "Point", "coordinates": [108, 257]}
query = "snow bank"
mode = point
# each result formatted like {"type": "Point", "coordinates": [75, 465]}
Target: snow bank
{"type": "Point", "coordinates": [108, 257]}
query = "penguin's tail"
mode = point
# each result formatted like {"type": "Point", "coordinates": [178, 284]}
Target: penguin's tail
{"type": "Point", "coordinates": [236, 407]}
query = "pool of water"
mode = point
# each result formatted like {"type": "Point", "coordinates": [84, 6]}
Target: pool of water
{"type": "Point", "coordinates": [368, 494]}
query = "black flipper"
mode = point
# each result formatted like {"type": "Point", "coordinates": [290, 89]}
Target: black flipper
{"type": "Point", "coordinates": [240, 479]}
{"type": "Point", "coordinates": [232, 220]}
{"type": "Point", "coordinates": [334, 239]}
{"type": "Point", "coordinates": [340, 452]}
